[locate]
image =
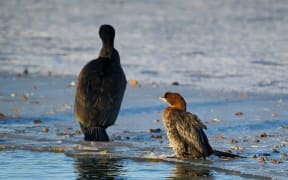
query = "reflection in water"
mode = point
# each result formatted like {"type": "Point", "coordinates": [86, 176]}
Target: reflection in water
{"type": "Point", "coordinates": [187, 171]}
{"type": "Point", "coordinates": [96, 168]}
{"type": "Point", "coordinates": [113, 168]}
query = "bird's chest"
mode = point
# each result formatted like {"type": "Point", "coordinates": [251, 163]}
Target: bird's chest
{"type": "Point", "coordinates": [170, 126]}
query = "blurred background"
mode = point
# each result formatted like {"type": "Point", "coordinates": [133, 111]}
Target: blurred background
{"type": "Point", "coordinates": [224, 44]}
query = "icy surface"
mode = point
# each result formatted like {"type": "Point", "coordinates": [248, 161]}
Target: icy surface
{"type": "Point", "coordinates": [229, 56]}
{"type": "Point", "coordinates": [218, 45]}
{"type": "Point", "coordinates": [252, 125]}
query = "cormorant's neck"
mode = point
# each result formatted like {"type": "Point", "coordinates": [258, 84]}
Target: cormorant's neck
{"type": "Point", "coordinates": [107, 48]}
{"type": "Point", "coordinates": [106, 52]}
{"type": "Point", "coordinates": [179, 108]}
{"type": "Point", "coordinates": [179, 105]}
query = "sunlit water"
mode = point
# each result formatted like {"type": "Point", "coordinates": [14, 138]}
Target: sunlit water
{"type": "Point", "coordinates": [43, 165]}
{"type": "Point", "coordinates": [42, 129]}
{"type": "Point", "coordinates": [222, 44]}
{"type": "Point", "coordinates": [231, 56]}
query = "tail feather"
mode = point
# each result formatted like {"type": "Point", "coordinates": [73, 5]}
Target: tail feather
{"type": "Point", "coordinates": [225, 154]}
{"type": "Point", "coordinates": [96, 134]}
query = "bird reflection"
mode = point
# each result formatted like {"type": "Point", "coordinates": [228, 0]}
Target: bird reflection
{"type": "Point", "coordinates": [187, 171]}
{"type": "Point", "coordinates": [98, 168]}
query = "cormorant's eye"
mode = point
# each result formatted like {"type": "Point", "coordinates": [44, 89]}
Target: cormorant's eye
{"type": "Point", "coordinates": [166, 95]}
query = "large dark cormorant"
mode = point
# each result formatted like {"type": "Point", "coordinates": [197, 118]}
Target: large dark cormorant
{"type": "Point", "coordinates": [100, 90]}
{"type": "Point", "coordinates": [185, 130]}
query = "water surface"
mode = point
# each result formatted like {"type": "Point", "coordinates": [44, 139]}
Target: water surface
{"type": "Point", "coordinates": [229, 57]}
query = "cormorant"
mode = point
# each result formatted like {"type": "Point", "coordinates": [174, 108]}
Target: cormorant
{"type": "Point", "coordinates": [185, 130]}
{"type": "Point", "coordinates": [100, 89]}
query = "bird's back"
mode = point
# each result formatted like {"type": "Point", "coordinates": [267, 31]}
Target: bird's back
{"type": "Point", "coordinates": [100, 91]}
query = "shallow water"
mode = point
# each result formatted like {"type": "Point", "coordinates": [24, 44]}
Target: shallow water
{"type": "Point", "coordinates": [43, 165]}
{"type": "Point", "coordinates": [44, 126]}
{"type": "Point", "coordinates": [229, 57]}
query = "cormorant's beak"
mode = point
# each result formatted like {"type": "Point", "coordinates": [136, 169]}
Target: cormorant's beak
{"type": "Point", "coordinates": [163, 99]}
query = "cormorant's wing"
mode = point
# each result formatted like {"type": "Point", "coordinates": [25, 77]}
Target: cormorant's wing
{"type": "Point", "coordinates": [91, 100]}
{"type": "Point", "coordinates": [91, 77]}
{"type": "Point", "coordinates": [191, 128]}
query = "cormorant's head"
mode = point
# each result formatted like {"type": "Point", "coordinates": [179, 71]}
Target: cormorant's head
{"type": "Point", "coordinates": [107, 34]}
{"type": "Point", "coordinates": [174, 100]}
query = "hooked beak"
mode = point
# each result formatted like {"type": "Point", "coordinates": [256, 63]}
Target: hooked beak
{"type": "Point", "coordinates": [163, 99]}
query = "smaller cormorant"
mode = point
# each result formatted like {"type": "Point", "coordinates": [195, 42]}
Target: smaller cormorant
{"type": "Point", "coordinates": [185, 130]}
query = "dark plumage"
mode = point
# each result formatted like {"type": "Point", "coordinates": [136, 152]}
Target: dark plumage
{"type": "Point", "coordinates": [100, 90]}
{"type": "Point", "coordinates": [185, 130]}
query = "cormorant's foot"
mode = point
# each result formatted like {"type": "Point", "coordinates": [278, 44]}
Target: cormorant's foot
{"type": "Point", "coordinates": [96, 134]}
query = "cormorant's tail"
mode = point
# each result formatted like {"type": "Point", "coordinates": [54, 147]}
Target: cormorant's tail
{"type": "Point", "coordinates": [96, 134]}
{"type": "Point", "coordinates": [225, 154]}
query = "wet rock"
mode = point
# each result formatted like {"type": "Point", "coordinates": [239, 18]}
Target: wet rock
{"type": "Point", "coordinates": [282, 145]}
{"type": "Point", "coordinates": [283, 155]}
{"type": "Point", "coordinates": [264, 135]}
{"type": "Point", "coordinates": [262, 159]}
{"type": "Point", "coordinates": [219, 137]}
{"type": "Point", "coordinates": [104, 152]}
{"type": "Point", "coordinates": [62, 134]}
{"type": "Point", "coordinates": [256, 141]}
{"type": "Point", "coordinates": [77, 132]}
{"type": "Point", "coordinates": [57, 149]}
{"type": "Point", "coordinates": [229, 151]}
{"type": "Point", "coordinates": [157, 130]}
{"type": "Point", "coordinates": [239, 113]}
{"type": "Point", "coordinates": [3, 134]}
{"type": "Point", "coordinates": [236, 148]}
{"type": "Point", "coordinates": [126, 138]}
{"type": "Point", "coordinates": [133, 83]}
{"type": "Point", "coordinates": [156, 120]}
{"type": "Point", "coordinates": [254, 156]}
{"type": "Point", "coordinates": [233, 141]}
{"type": "Point", "coordinates": [157, 137]}
{"type": "Point", "coordinates": [2, 116]}
{"type": "Point", "coordinates": [24, 98]}
{"type": "Point", "coordinates": [37, 121]}
{"type": "Point", "coordinates": [275, 161]}
{"type": "Point", "coordinates": [275, 151]}
{"type": "Point", "coordinates": [45, 129]}
{"type": "Point", "coordinates": [2, 147]}
{"type": "Point", "coordinates": [175, 83]}
{"type": "Point", "coordinates": [26, 72]}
